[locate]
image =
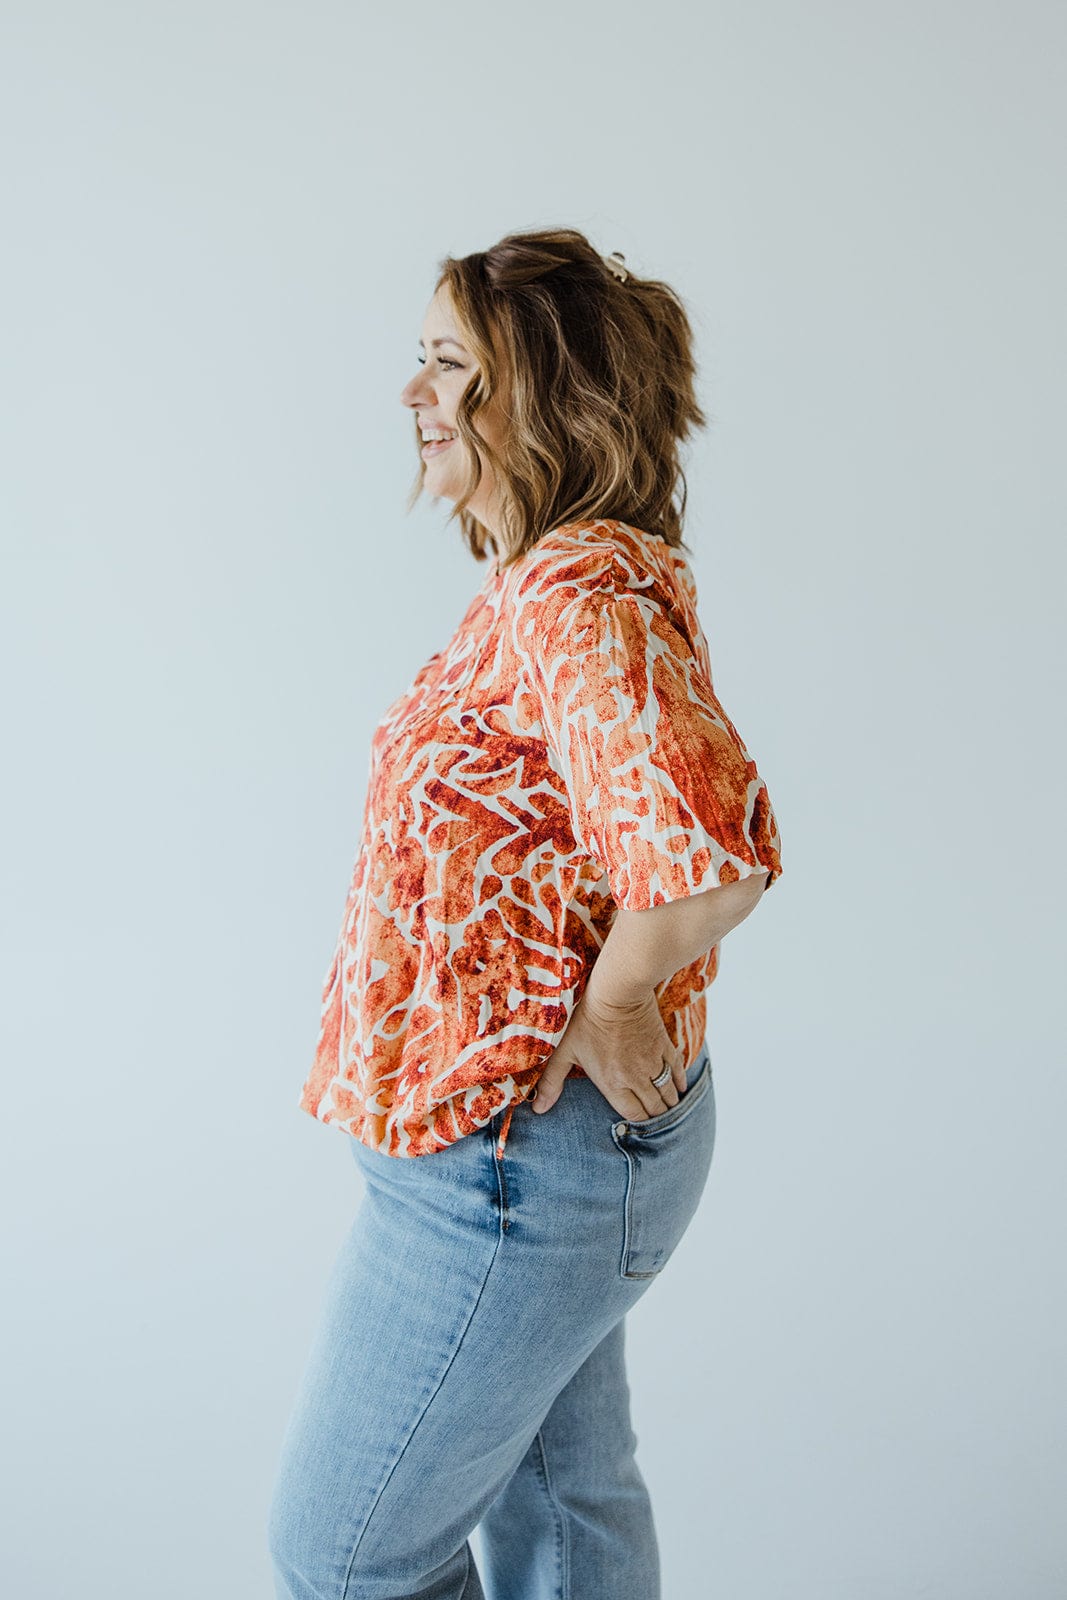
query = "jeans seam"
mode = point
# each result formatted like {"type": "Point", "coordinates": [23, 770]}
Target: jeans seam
{"type": "Point", "coordinates": [418, 1421]}
{"type": "Point", "coordinates": [562, 1546]}
{"type": "Point", "coordinates": [502, 1190]}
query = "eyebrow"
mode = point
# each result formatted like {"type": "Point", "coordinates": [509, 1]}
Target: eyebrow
{"type": "Point", "coordinates": [437, 343]}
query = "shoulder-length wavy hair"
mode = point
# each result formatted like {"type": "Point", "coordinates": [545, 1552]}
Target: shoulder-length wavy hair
{"type": "Point", "coordinates": [595, 375]}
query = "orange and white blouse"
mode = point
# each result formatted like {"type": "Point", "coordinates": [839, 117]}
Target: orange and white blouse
{"type": "Point", "coordinates": [565, 755]}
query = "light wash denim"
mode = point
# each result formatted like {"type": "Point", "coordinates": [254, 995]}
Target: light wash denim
{"type": "Point", "coordinates": [468, 1368]}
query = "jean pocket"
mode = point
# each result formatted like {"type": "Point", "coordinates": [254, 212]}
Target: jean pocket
{"type": "Point", "coordinates": [667, 1160]}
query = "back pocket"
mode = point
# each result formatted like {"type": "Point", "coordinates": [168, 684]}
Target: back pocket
{"type": "Point", "coordinates": [667, 1161]}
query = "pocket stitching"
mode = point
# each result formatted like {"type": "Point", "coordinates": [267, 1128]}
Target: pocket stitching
{"type": "Point", "coordinates": [627, 1213]}
{"type": "Point", "coordinates": [620, 1129]}
{"type": "Point", "coordinates": [625, 1270]}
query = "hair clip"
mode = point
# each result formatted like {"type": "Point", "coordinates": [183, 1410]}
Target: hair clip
{"type": "Point", "coordinates": [614, 265]}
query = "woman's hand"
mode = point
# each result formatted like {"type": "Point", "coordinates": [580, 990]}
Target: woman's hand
{"type": "Point", "coordinates": [622, 1047]}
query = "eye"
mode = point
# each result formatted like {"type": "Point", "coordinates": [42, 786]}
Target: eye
{"type": "Point", "coordinates": [442, 361]}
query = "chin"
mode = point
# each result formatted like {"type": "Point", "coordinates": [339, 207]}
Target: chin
{"type": "Point", "coordinates": [441, 491]}
{"type": "Point", "coordinates": [442, 488]}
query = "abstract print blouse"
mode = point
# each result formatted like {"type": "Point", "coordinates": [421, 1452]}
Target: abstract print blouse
{"type": "Point", "coordinates": [565, 755]}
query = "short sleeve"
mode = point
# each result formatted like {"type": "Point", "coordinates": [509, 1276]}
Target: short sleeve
{"type": "Point", "coordinates": [661, 789]}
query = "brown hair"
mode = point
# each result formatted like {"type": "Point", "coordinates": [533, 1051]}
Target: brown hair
{"type": "Point", "coordinates": [597, 377]}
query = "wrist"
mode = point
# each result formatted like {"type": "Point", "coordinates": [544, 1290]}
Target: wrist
{"type": "Point", "coordinates": [609, 989]}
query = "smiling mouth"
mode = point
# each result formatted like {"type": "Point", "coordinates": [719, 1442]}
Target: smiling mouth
{"type": "Point", "coordinates": [435, 447]}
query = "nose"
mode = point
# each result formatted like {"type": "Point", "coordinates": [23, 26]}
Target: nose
{"type": "Point", "coordinates": [416, 393]}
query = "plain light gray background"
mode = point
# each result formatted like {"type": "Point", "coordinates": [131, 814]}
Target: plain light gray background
{"type": "Point", "coordinates": [221, 229]}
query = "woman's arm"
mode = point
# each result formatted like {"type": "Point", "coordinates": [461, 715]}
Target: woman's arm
{"type": "Point", "coordinates": [659, 786]}
{"type": "Point", "coordinates": [644, 947]}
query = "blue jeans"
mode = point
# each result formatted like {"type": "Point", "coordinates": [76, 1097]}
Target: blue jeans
{"type": "Point", "coordinates": [468, 1368]}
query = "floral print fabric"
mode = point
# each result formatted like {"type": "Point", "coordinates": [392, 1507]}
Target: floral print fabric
{"type": "Point", "coordinates": [565, 755]}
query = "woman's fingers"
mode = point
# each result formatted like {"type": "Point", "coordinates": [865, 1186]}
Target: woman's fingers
{"type": "Point", "coordinates": [653, 1098]}
{"type": "Point", "coordinates": [661, 1097]}
{"type": "Point", "coordinates": [550, 1084]}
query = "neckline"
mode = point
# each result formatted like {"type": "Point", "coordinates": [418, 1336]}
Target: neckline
{"type": "Point", "coordinates": [652, 540]}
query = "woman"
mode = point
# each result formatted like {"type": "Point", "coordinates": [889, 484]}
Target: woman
{"type": "Point", "coordinates": [561, 824]}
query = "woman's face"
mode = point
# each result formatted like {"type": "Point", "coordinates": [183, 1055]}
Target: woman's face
{"type": "Point", "coordinates": [446, 369]}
